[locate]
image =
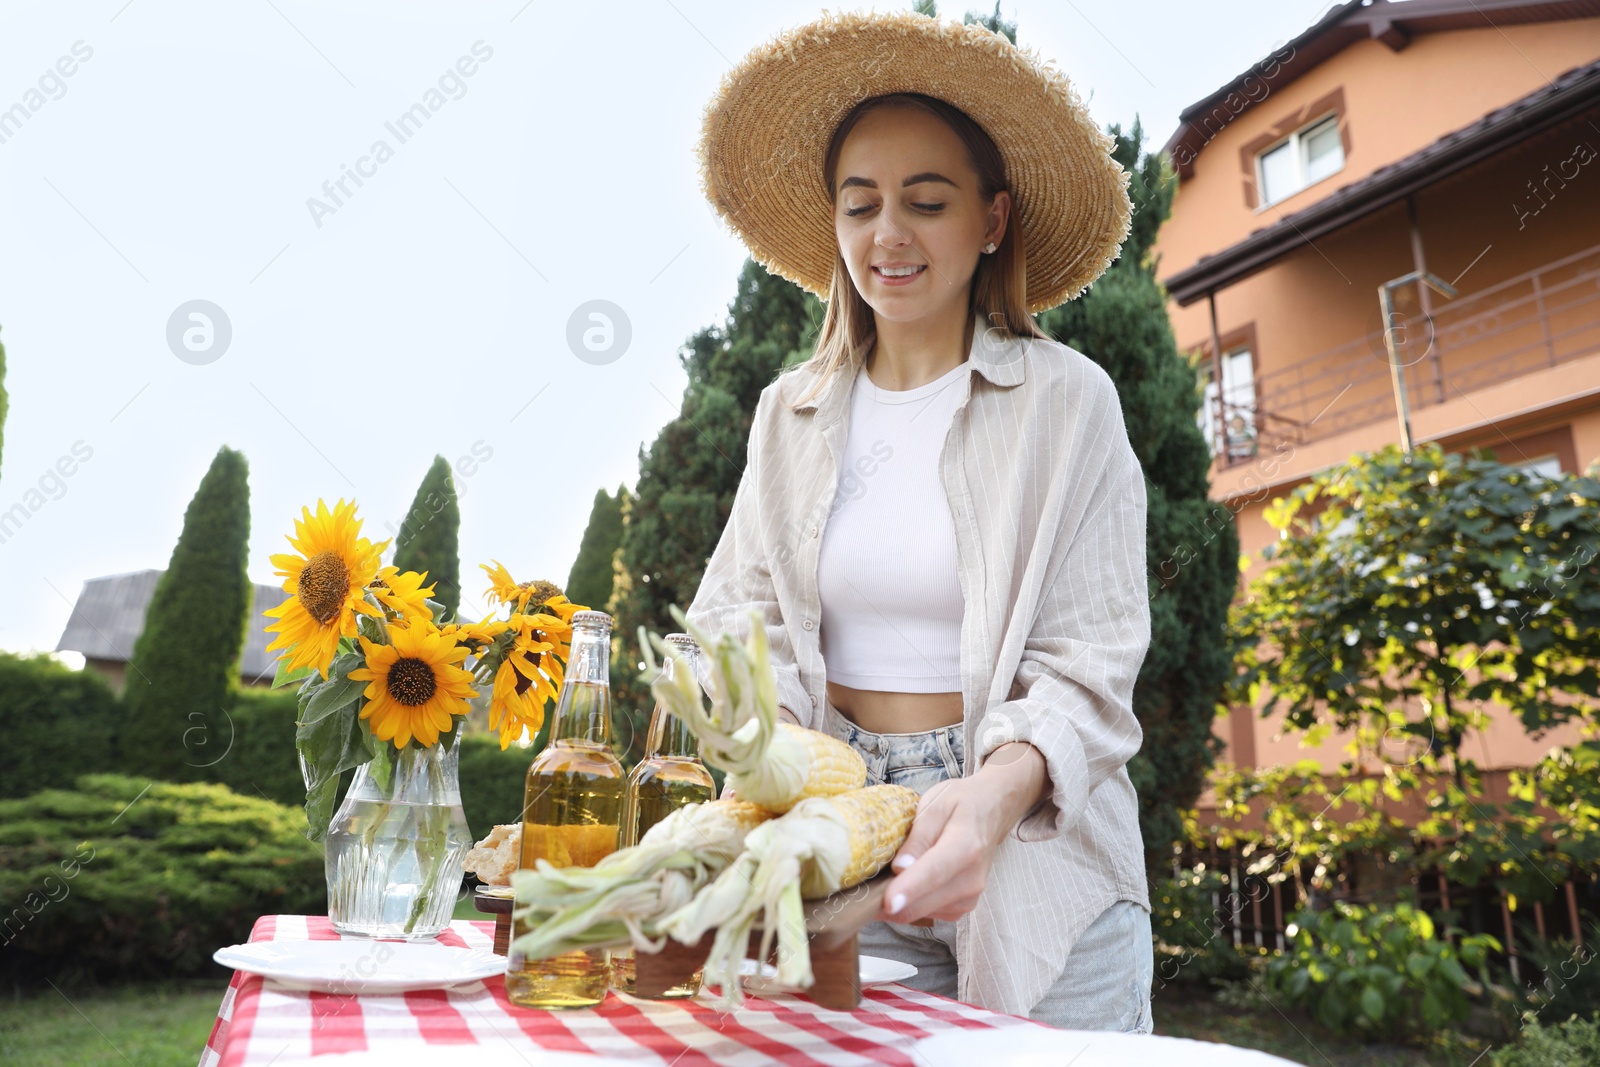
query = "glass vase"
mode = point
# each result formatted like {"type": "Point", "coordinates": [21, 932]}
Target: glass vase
{"type": "Point", "coordinates": [396, 845]}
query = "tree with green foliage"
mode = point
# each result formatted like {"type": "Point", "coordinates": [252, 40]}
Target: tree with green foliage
{"type": "Point", "coordinates": [185, 665]}
{"type": "Point", "coordinates": [1192, 547]}
{"type": "Point", "coordinates": [429, 537]}
{"type": "Point", "coordinates": [688, 475]}
{"type": "Point", "coordinates": [1427, 587]}
{"type": "Point", "coordinates": [591, 577]}
{"type": "Point", "coordinates": [1410, 597]}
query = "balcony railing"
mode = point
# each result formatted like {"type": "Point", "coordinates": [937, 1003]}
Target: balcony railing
{"type": "Point", "coordinates": [1543, 318]}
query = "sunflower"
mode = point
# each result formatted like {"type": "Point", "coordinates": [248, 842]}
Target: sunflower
{"type": "Point", "coordinates": [528, 676]}
{"type": "Point", "coordinates": [520, 595]}
{"type": "Point", "coordinates": [415, 684]}
{"type": "Point", "coordinates": [328, 578]}
{"type": "Point", "coordinates": [403, 593]}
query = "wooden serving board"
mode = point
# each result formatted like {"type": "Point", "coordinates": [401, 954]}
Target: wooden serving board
{"type": "Point", "coordinates": [832, 924]}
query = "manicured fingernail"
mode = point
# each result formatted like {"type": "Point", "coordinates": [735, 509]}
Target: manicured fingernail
{"type": "Point", "coordinates": [902, 862]}
{"type": "Point", "coordinates": [897, 903]}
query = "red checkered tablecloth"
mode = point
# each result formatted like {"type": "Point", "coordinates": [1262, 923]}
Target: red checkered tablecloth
{"type": "Point", "coordinates": [262, 1023]}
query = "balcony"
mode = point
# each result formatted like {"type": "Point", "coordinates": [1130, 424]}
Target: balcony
{"type": "Point", "coordinates": [1543, 318]}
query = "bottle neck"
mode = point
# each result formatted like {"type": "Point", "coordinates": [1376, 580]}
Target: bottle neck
{"type": "Point", "coordinates": [669, 737]}
{"type": "Point", "coordinates": [583, 713]}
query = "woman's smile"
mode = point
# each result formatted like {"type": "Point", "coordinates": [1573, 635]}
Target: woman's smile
{"type": "Point", "coordinates": [899, 274]}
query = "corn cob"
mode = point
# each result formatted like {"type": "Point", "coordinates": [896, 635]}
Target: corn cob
{"type": "Point", "coordinates": [769, 763]}
{"type": "Point", "coordinates": [823, 845]}
{"type": "Point", "coordinates": [620, 897]}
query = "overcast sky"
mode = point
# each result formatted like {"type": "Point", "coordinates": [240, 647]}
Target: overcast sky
{"type": "Point", "coordinates": [427, 311]}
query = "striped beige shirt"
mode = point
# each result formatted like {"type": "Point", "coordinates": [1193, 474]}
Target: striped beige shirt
{"type": "Point", "coordinates": [1048, 502]}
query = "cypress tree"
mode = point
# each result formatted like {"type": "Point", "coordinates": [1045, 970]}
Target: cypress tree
{"type": "Point", "coordinates": [591, 577]}
{"type": "Point", "coordinates": [688, 475]}
{"type": "Point", "coordinates": [429, 537]}
{"type": "Point", "coordinates": [185, 665]}
{"type": "Point", "coordinates": [1121, 323]}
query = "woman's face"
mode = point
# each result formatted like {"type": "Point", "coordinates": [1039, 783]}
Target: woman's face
{"type": "Point", "coordinates": [906, 196]}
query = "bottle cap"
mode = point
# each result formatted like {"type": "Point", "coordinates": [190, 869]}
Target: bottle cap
{"type": "Point", "coordinates": [685, 644]}
{"type": "Point", "coordinates": [591, 618]}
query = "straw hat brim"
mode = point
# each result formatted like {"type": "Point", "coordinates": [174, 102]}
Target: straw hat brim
{"type": "Point", "coordinates": [765, 132]}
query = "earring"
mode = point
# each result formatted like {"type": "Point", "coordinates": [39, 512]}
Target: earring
{"type": "Point", "coordinates": [989, 247]}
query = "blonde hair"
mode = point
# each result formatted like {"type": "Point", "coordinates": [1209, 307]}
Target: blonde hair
{"type": "Point", "coordinates": [999, 285]}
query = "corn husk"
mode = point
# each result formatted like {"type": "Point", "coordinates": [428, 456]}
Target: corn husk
{"type": "Point", "coordinates": [620, 899]}
{"type": "Point", "coordinates": [767, 762]}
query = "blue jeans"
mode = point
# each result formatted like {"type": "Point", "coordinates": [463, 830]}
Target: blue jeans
{"type": "Point", "coordinates": [1105, 984]}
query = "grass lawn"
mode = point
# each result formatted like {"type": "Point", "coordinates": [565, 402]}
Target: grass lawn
{"type": "Point", "coordinates": [141, 1025]}
{"type": "Point", "coordinates": [1182, 1012]}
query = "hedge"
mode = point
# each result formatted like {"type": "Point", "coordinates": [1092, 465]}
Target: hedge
{"type": "Point", "coordinates": [126, 877]}
{"type": "Point", "coordinates": [58, 724]}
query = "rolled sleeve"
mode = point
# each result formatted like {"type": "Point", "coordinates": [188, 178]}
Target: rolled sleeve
{"type": "Point", "coordinates": [1073, 694]}
{"type": "Point", "coordinates": [738, 578]}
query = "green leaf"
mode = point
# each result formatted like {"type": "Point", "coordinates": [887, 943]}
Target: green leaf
{"type": "Point", "coordinates": [328, 747]}
{"type": "Point", "coordinates": [1418, 965]}
{"type": "Point", "coordinates": [333, 695]}
{"type": "Point", "coordinates": [284, 676]}
{"type": "Point", "coordinates": [1372, 1004]}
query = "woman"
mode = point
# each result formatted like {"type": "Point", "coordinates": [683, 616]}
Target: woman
{"type": "Point", "coordinates": [941, 517]}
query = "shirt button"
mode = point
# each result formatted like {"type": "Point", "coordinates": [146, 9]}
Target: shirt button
{"type": "Point", "coordinates": [813, 701]}
{"type": "Point", "coordinates": [807, 624]}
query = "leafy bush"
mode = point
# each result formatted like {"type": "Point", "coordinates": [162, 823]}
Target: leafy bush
{"type": "Point", "coordinates": [492, 782]}
{"type": "Point", "coordinates": [1574, 1043]}
{"type": "Point", "coordinates": [127, 877]}
{"type": "Point", "coordinates": [1376, 971]}
{"type": "Point", "coordinates": [1191, 945]}
{"type": "Point", "coordinates": [58, 723]}
{"type": "Point", "coordinates": [1560, 976]}
{"type": "Point", "coordinates": [258, 737]}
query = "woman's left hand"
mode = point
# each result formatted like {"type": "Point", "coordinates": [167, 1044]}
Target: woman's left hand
{"type": "Point", "coordinates": [944, 863]}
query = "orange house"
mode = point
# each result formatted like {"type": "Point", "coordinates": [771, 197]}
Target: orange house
{"type": "Point", "coordinates": [1456, 140]}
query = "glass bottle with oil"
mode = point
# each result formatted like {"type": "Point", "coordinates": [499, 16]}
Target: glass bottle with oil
{"type": "Point", "coordinates": [571, 813]}
{"type": "Point", "coordinates": [670, 777]}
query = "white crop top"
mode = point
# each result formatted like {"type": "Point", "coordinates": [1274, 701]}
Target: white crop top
{"type": "Point", "coordinates": [886, 569]}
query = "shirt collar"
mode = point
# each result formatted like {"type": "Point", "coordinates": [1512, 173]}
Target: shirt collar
{"type": "Point", "coordinates": [994, 353]}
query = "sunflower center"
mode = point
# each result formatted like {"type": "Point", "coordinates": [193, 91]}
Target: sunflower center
{"type": "Point", "coordinates": [324, 583]}
{"type": "Point", "coordinates": [411, 682]}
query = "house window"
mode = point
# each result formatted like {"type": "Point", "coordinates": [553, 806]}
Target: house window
{"type": "Point", "coordinates": [1227, 416]}
{"type": "Point", "coordinates": [1307, 156]}
{"type": "Point", "coordinates": [1547, 466]}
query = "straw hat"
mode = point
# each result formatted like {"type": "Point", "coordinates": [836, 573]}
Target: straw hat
{"type": "Point", "coordinates": [766, 130]}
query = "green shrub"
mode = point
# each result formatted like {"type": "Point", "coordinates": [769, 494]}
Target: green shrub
{"type": "Point", "coordinates": [1376, 971]}
{"type": "Point", "coordinates": [1559, 976]}
{"type": "Point", "coordinates": [1191, 944]}
{"type": "Point", "coordinates": [130, 878]}
{"type": "Point", "coordinates": [258, 737]}
{"type": "Point", "coordinates": [1574, 1043]}
{"type": "Point", "coordinates": [492, 782]}
{"type": "Point", "coordinates": [58, 723]}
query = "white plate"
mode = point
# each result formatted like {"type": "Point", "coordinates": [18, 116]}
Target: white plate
{"type": "Point", "coordinates": [1037, 1046]}
{"type": "Point", "coordinates": [362, 966]}
{"type": "Point", "coordinates": [875, 971]}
